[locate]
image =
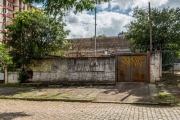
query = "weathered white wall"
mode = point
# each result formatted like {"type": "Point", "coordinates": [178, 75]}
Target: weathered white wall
{"type": "Point", "coordinates": [12, 77]}
{"type": "Point", "coordinates": [96, 69]}
{"type": "Point", "coordinates": [100, 69]}
{"type": "Point", "coordinates": [49, 70]}
{"type": "Point", "coordinates": [74, 69]}
{"type": "Point", "coordinates": [177, 66]}
{"type": "Point", "coordinates": [155, 66]}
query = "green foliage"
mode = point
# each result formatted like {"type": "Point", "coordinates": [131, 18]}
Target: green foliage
{"type": "Point", "coordinates": [165, 97]}
{"type": "Point", "coordinates": [9, 85]}
{"type": "Point", "coordinates": [100, 36]}
{"type": "Point", "coordinates": [167, 60]}
{"type": "Point", "coordinates": [5, 59]}
{"type": "Point", "coordinates": [165, 29]}
{"type": "Point", "coordinates": [34, 35]}
{"type": "Point", "coordinates": [57, 7]}
{"type": "Point", "coordinates": [23, 76]}
{"type": "Point", "coordinates": [177, 54]}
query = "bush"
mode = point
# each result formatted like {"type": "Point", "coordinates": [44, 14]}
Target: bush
{"type": "Point", "coordinates": [23, 76]}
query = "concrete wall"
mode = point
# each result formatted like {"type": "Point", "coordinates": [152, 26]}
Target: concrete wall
{"type": "Point", "coordinates": [12, 77]}
{"type": "Point", "coordinates": [74, 69]}
{"type": "Point", "coordinates": [155, 66]}
{"type": "Point", "coordinates": [176, 66]}
{"type": "Point", "coordinates": [100, 69]}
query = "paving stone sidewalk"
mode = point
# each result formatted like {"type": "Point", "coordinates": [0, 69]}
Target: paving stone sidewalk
{"type": "Point", "coordinates": [120, 93]}
{"type": "Point", "coordinates": [47, 110]}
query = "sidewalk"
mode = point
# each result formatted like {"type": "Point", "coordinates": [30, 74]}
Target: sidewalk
{"type": "Point", "coordinates": [120, 93]}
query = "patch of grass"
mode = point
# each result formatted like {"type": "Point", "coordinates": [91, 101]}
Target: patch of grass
{"type": "Point", "coordinates": [38, 96]}
{"type": "Point", "coordinates": [54, 96]}
{"type": "Point", "coordinates": [66, 96]}
{"type": "Point", "coordinates": [166, 97]}
{"type": "Point", "coordinates": [44, 96]}
{"type": "Point", "coordinates": [9, 85]}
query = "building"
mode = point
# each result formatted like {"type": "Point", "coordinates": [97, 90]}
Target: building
{"type": "Point", "coordinates": [85, 47]}
{"type": "Point", "coordinates": [7, 7]}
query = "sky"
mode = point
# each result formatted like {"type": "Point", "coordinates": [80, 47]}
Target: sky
{"type": "Point", "coordinates": [112, 17]}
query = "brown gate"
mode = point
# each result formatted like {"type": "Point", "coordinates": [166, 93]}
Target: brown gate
{"type": "Point", "coordinates": [132, 67]}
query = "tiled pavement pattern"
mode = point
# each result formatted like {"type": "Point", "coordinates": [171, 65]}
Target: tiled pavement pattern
{"type": "Point", "coordinates": [33, 110]}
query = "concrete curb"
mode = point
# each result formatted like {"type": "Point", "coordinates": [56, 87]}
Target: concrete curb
{"type": "Point", "coordinates": [77, 100]}
{"type": "Point", "coordinates": [85, 101]}
{"type": "Point", "coordinates": [48, 99]}
{"type": "Point", "coordinates": [135, 103]}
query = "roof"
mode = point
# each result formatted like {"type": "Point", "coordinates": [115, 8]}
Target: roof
{"type": "Point", "coordinates": [86, 46]}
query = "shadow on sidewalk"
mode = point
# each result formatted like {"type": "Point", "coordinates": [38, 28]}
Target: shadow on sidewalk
{"type": "Point", "coordinates": [127, 92]}
{"type": "Point", "coordinates": [12, 115]}
{"type": "Point", "coordinates": [6, 91]}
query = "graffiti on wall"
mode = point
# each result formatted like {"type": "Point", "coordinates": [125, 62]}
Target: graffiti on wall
{"type": "Point", "coordinates": [135, 61]}
{"type": "Point", "coordinates": [87, 65]}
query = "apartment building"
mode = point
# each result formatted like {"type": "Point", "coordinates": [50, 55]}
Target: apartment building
{"type": "Point", "coordinates": [7, 7]}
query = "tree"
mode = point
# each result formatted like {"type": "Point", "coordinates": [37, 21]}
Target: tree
{"type": "Point", "coordinates": [5, 59]}
{"type": "Point", "coordinates": [165, 29]}
{"type": "Point", "coordinates": [100, 36]}
{"type": "Point", "coordinates": [165, 32]}
{"type": "Point", "coordinates": [61, 6]}
{"type": "Point", "coordinates": [33, 34]}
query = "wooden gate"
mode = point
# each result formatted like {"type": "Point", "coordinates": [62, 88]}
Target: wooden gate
{"type": "Point", "coordinates": [132, 67]}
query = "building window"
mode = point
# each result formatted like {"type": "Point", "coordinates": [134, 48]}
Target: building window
{"type": "Point", "coordinates": [4, 10]}
{"type": "Point", "coordinates": [9, 20]}
{"type": "Point", "coordinates": [4, 19]}
{"type": "Point", "coordinates": [23, 5]}
{"type": "Point", "coordinates": [3, 26]}
{"type": "Point", "coordinates": [4, 2]}
{"type": "Point", "coordinates": [10, 12]}
{"type": "Point", "coordinates": [10, 4]}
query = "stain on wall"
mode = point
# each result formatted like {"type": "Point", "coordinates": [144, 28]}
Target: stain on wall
{"type": "Point", "coordinates": [73, 69]}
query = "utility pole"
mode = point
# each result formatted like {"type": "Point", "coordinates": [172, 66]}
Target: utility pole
{"type": "Point", "coordinates": [150, 27]}
{"type": "Point", "coordinates": [95, 33]}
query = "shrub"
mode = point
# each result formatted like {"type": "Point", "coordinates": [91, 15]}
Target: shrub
{"type": "Point", "coordinates": [23, 76]}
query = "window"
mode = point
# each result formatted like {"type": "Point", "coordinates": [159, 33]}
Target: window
{"type": "Point", "coordinates": [3, 26]}
{"type": "Point", "coordinates": [4, 2]}
{"type": "Point", "coordinates": [9, 20]}
{"type": "Point", "coordinates": [4, 10]}
{"type": "Point", "coordinates": [10, 4]}
{"type": "Point", "coordinates": [4, 18]}
{"type": "Point", "coordinates": [23, 5]}
{"type": "Point", "coordinates": [10, 12]}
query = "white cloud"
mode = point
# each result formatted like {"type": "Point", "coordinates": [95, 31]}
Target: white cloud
{"type": "Point", "coordinates": [104, 5]}
{"type": "Point", "coordinates": [173, 3]}
{"type": "Point", "coordinates": [126, 4]}
{"type": "Point", "coordinates": [108, 23]}
{"type": "Point", "coordinates": [111, 17]}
